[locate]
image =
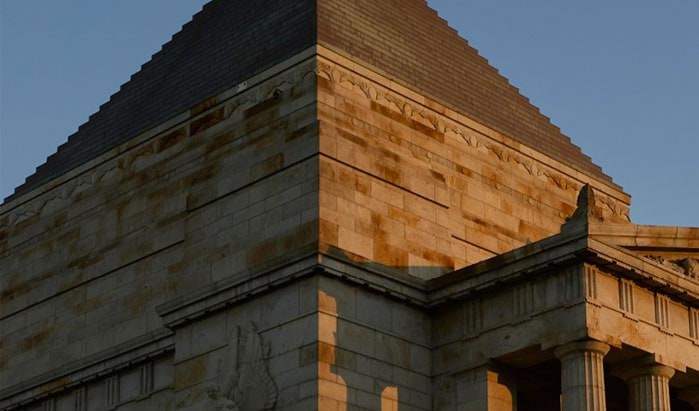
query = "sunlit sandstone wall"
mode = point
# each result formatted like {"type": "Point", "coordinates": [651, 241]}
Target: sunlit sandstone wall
{"type": "Point", "coordinates": [374, 351]}
{"type": "Point", "coordinates": [226, 188]}
{"type": "Point", "coordinates": [236, 187]}
{"type": "Point", "coordinates": [408, 183]}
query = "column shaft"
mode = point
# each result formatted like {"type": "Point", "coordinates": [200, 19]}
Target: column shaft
{"type": "Point", "coordinates": [649, 388]}
{"type": "Point", "coordinates": [582, 376]}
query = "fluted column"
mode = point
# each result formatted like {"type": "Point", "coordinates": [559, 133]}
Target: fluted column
{"type": "Point", "coordinates": [649, 387]}
{"type": "Point", "coordinates": [582, 375]}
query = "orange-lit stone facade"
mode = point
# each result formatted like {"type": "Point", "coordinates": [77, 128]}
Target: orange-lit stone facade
{"type": "Point", "coordinates": [322, 237]}
{"type": "Point", "coordinates": [407, 182]}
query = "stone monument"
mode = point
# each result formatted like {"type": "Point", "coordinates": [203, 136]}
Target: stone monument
{"type": "Point", "coordinates": [335, 205]}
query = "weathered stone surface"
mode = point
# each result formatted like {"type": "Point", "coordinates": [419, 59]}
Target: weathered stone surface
{"type": "Point", "coordinates": [187, 207]}
{"type": "Point", "coordinates": [416, 189]}
{"type": "Point", "coordinates": [686, 266]}
{"type": "Point", "coordinates": [485, 389]}
{"type": "Point", "coordinates": [326, 238]}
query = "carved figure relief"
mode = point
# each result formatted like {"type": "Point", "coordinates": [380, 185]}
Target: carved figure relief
{"type": "Point", "coordinates": [686, 266]}
{"type": "Point", "coordinates": [244, 383]}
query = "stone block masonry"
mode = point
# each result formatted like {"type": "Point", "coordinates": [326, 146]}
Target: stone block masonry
{"type": "Point", "coordinates": [327, 239]}
{"type": "Point", "coordinates": [85, 263]}
{"type": "Point", "coordinates": [407, 183]}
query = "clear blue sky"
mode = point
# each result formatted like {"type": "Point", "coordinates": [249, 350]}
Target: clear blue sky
{"type": "Point", "coordinates": [620, 77]}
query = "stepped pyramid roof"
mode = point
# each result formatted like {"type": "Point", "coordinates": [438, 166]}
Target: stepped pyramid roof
{"type": "Point", "coordinates": [229, 41]}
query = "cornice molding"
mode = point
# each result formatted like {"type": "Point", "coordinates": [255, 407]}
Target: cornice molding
{"type": "Point", "coordinates": [101, 364]}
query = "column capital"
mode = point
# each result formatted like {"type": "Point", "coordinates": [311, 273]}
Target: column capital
{"type": "Point", "coordinates": [581, 346]}
{"type": "Point", "coordinates": [582, 375]}
{"type": "Point", "coordinates": [648, 381]}
{"type": "Point", "coordinates": [640, 368]}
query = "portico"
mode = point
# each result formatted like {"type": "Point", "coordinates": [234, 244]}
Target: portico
{"type": "Point", "coordinates": [594, 320]}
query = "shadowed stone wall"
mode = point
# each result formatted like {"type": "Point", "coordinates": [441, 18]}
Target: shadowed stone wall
{"type": "Point", "coordinates": [228, 187]}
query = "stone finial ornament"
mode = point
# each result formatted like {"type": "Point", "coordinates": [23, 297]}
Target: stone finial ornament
{"type": "Point", "coordinates": [587, 210]}
{"type": "Point", "coordinates": [244, 383]}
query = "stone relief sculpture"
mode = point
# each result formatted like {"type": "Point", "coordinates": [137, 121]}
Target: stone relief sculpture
{"type": "Point", "coordinates": [686, 266]}
{"type": "Point", "coordinates": [244, 383]}
{"type": "Point", "coordinates": [690, 265]}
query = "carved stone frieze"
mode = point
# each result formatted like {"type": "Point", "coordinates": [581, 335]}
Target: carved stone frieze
{"type": "Point", "coordinates": [473, 139]}
{"type": "Point", "coordinates": [273, 89]}
{"type": "Point", "coordinates": [686, 266]}
{"type": "Point", "coordinates": [244, 383]}
{"type": "Point", "coordinates": [63, 195]}
{"type": "Point", "coordinates": [113, 171]}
